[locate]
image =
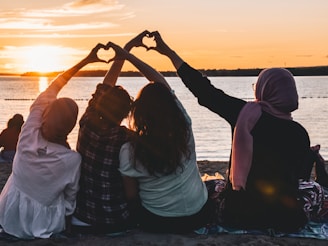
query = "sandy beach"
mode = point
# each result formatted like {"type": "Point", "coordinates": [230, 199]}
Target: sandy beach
{"type": "Point", "coordinates": [137, 237]}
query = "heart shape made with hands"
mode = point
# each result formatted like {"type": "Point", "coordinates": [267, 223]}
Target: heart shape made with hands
{"type": "Point", "coordinates": [106, 54]}
{"type": "Point", "coordinates": [149, 41]}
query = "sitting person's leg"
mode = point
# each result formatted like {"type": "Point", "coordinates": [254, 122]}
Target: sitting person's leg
{"type": "Point", "coordinates": [154, 223]}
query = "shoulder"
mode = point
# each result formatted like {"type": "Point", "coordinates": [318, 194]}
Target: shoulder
{"type": "Point", "coordinates": [73, 162]}
{"type": "Point", "coordinates": [301, 131]}
{"type": "Point", "coordinates": [4, 131]}
{"type": "Point", "coordinates": [288, 129]}
{"type": "Point", "coordinates": [296, 128]}
{"type": "Point", "coordinates": [126, 152]}
{"type": "Point", "coordinates": [127, 162]}
{"type": "Point", "coordinates": [72, 157]}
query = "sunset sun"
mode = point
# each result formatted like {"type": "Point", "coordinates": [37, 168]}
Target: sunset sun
{"type": "Point", "coordinates": [43, 58]}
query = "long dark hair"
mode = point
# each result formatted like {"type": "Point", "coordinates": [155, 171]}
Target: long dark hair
{"type": "Point", "coordinates": [162, 131]}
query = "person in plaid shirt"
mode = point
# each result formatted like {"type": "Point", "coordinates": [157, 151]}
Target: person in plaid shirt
{"type": "Point", "coordinates": [101, 204]}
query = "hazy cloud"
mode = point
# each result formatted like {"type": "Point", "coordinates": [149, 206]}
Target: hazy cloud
{"type": "Point", "coordinates": [90, 6]}
{"type": "Point", "coordinates": [69, 35]}
{"type": "Point", "coordinates": [83, 3]}
{"type": "Point", "coordinates": [45, 25]}
{"type": "Point", "coordinates": [97, 15]}
{"type": "Point", "coordinates": [303, 55]}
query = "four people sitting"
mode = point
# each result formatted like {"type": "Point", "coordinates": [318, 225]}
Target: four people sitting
{"type": "Point", "coordinates": [146, 174]}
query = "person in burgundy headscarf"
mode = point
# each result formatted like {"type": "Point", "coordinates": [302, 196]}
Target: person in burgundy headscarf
{"type": "Point", "coordinates": [270, 152]}
{"type": "Point", "coordinates": [41, 190]}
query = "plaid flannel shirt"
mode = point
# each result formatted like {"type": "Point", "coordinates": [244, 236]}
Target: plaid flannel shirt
{"type": "Point", "coordinates": [101, 199]}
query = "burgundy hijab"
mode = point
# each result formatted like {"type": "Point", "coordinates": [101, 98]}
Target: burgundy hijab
{"type": "Point", "coordinates": [276, 94]}
{"type": "Point", "coordinates": [58, 120]}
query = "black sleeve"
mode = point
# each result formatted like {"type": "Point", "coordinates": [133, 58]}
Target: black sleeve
{"type": "Point", "coordinates": [214, 99]}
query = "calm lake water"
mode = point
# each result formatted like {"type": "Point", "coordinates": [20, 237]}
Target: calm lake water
{"type": "Point", "coordinates": [212, 134]}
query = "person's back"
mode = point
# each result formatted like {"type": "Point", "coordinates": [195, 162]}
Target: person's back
{"type": "Point", "coordinates": [41, 189]}
{"type": "Point", "coordinates": [162, 161]}
{"type": "Point", "coordinates": [100, 201]}
{"type": "Point", "coordinates": [281, 150]}
{"type": "Point", "coordinates": [270, 152]}
{"type": "Point", "coordinates": [175, 202]}
{"type": "Point", "coordinates": [271, 197]}
{"type": "Point", "coordinates": [40, 194]}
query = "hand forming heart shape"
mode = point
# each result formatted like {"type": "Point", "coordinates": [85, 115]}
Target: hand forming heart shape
{"type": "Point", "coordinates": [106, 54]}
{"type": "Point", "coordinates": [149, 41]}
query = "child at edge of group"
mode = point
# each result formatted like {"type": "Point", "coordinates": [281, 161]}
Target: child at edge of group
{"type": "Point", "coordinates": [40, 192]}
{"type": "Point", "coordinates": [9, 138]}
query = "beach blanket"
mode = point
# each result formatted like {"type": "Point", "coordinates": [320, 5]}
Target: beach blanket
{"type": "Point", "coordinates": [311, 230]}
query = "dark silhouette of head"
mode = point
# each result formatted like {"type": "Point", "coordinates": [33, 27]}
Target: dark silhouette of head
{"type": "Point", "coordinates": [16, 122]}
{"type": "Point", "coordinates": [58, 120]}
{"type": "Point", "coordinates": [114, 105]}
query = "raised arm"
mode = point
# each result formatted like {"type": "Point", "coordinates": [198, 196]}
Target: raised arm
{"type": "Point", "coordinates": [164, 49]}
{"type": "Point", "coordinates": [115, 70]}
{"type": "Point", "coordinates": [57, 83]}
{"type": "Point", "coordinates": [150, 73]}
{"type": "Point", "coordinates": [208, 96]}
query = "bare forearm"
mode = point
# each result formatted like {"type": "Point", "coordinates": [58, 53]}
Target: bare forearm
{"type": "Point", "coordinates": [150, 73]}
{"type": "Point", "coordinates": [176, 60]}
{"type": "Point", "coordinates": [164, 49]}
{"type": "Point", "coordinates": [114, 72]}
{"type": "Point", "coordinates": [68, 74]}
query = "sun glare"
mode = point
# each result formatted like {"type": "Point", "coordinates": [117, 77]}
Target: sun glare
{"type": "Point", "coordinates": [43, 59]}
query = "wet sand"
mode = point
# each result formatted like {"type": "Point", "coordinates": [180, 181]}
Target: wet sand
{"type": "Point", "coordinates": [137, 237]}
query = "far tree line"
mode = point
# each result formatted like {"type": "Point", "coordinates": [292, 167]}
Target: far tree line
{"type": "Point", "coordinates": [296, 71]}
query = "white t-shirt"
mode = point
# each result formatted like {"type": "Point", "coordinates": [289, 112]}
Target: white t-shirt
{"type": "Point", "coordinates": [182, 193]}
{"type": "Point", "coordinates": [42, 187]}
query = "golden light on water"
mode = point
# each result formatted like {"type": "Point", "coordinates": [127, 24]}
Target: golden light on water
{"type": "Point", "coordinates": [43, 84]}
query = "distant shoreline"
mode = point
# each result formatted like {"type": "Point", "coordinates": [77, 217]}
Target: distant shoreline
{"type": "Point", "coordinates": [296, 71]}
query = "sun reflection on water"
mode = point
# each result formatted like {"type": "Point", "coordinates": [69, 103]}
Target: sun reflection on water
{"type": "Point", "coordinates": [43, 83]}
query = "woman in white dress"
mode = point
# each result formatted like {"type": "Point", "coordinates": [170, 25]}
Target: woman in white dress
{"type": "Point", "coordinates": [41, 190]}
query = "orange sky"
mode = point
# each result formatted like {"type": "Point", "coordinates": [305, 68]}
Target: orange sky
{"type": "Point", "coordinates": [209, 34]}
